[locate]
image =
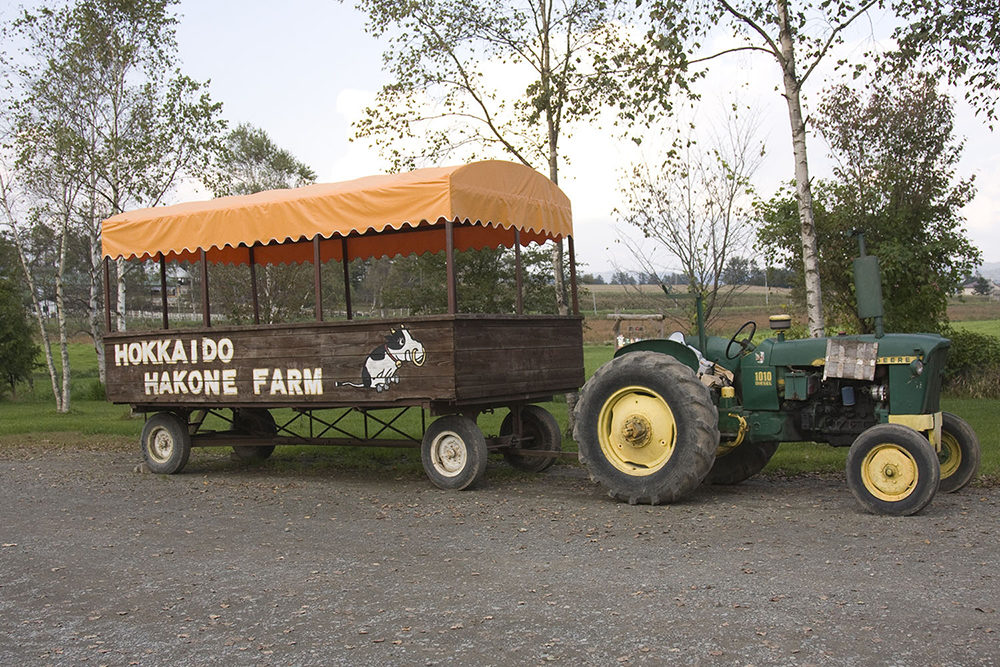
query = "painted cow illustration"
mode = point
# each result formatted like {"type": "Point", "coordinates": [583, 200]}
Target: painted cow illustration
{"type": "Point", "coordinates": [379, 371]}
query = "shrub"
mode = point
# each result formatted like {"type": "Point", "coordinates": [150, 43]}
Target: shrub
{"type": "Point", "coordinates": [973, 367]}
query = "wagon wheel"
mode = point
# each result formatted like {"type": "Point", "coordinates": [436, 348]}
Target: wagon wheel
{"type": "Point", "coordinates": [647, 428]}
{"type": "Point", "coordinates": [959, 455]}
{"type": "Point", "coordinates": [454, 453]}
{"type": "Point", "coordinates": [256, 422]}
{"type": "Point", "coordinates": [165, 443]}
{"type": "Point", "coordinates": [741, 462]}
{"type": "Point", "coordinates": [892, 469]}
{"type": "Point", "coordinates": [538, 424]}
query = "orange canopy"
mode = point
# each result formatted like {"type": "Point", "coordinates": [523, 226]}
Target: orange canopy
{"type": "Point", "coordinates": [378, 215]}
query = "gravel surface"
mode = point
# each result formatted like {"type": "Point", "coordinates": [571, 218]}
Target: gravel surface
{"type": "Point", "coordinates": [280, 565]}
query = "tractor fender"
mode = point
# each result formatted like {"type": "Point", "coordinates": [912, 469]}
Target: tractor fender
{"type": "Point", "coordinates": [678, 351]}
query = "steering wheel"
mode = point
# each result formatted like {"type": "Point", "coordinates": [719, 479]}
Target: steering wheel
{"type": "Point", "coordinates": [743, 344]}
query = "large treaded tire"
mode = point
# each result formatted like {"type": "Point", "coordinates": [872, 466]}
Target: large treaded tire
{"type": "Point", "coordinates": [646, 428]}
{"type": "Point", "coordinates": [741, 463]}
{"type": "Point", "coordinates": [959, 456]}
{"type": "Point", "coordinates": [892, 469]}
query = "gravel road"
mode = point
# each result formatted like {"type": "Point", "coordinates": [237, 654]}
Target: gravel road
{"type": "Point", "coordinates": [286, 565]}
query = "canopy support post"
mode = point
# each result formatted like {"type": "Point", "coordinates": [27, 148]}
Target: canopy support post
{"type": "Point", "coordinates": [572, 276]}
{"type": "Point", "coordinates": [206, 313]}
{"type": "Point", "coordinates": [107, 294]}
{"type": "Point", "coordinates": [318, 275]}
{"type": "Point", "coordinates": [449, 248]}
{"type": "Point", "coordinates": [518, 271]}
{"type": "Point", "coordinates": [253, 283]}
{"type": "Point", "coordinates": [347, 277]}
{"type": "Point", "coordinates": [163, 291]}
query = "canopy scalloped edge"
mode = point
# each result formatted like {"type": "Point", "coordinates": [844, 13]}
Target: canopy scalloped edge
{"type": "Point", "coordinates": [374, 214]}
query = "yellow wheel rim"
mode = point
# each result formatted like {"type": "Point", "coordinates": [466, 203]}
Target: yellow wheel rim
{"type": "Point", "coordinates": [637, 431]}
{"type": "Point", "coordinates": [889, 473]}
{"type": "Point", "coordinates": [950, 455]}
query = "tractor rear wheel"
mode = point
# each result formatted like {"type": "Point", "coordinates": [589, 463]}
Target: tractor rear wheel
{"type": "Point", "coordinates": [741, 462]}
{"type": "Point", "coordinates": [892, 469]}
{"type": "Point", "coordinates": [647, 428]}
{"type": "Point", "coordinates": [959, 455]}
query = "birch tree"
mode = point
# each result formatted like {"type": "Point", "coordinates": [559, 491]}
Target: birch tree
{"type": "Point", "coordinates": [797, 36]}
{"type": "Point", "coordinates": [102, 74]}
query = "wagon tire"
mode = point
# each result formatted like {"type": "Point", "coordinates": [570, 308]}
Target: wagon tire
{"type": "Point", "coordinates": [741, 463]}
{"type": "Point", "coordinates": [959, 455]}
{"type": "Point", "coordinates": [647, 429]}
{"type": "Point", "coordinates": [543, 429]}
{"type": "Point", "coordinates": [453, 452]}
{"type": "Point", "coordinates": [893, 469]}
{"type": "Point", "coordinates": [253, 421]}
{"type": "Point", "coordinates": [165, 443]}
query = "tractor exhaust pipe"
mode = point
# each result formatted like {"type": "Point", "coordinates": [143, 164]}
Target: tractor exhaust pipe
{"type": "Point", "coordinates": [868, 286]}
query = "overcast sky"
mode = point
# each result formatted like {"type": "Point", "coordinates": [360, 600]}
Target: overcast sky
{"type": "Point", "coordinates": [302, 70]}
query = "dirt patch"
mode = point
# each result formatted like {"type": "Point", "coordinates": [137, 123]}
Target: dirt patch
{"type": "Point", "coordinates": [267, 565]}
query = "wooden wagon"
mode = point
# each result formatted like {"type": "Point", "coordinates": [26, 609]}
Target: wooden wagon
{"type": "Point", "coordinates": [453, 366]}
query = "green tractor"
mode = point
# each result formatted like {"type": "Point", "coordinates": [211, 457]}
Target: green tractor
{"type": "Point", "coordinates": [664, 416]}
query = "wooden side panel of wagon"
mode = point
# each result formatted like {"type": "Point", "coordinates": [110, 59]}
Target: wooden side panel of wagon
{"type": "Point", "coordinates": [326, 364]}
{"type": "Point", "coordinates": [464, 360]}
{"type": "Point", "coordinates": [508, 359]}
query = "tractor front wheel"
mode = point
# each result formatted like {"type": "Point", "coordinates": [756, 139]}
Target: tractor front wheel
{"type": "Point", "coordinates": [959, 455]}
{"type": "Point", "coordinates": [892, 469]}
{"type": "Point", "coordinates": [646, 428]}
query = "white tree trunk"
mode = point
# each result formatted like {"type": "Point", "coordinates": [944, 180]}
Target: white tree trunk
{"type": "Point", "coordinates": [810, 253]}
{"type": "Point", "coordinates": [50, 363]}
{"type": "Point", "coordinates": [121, 294]}
{"type": "Point", "coordinates": [63, 405]}
{"type": "Point", "coordinates": [94, 301]}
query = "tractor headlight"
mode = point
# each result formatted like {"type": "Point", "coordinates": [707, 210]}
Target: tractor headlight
{"type": "Point", "coordinates": [917, 367]}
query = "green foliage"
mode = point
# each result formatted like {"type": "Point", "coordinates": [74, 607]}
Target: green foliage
{"type": "Point", "coordinates": [99, 97]}
{"type": "Point", "coordinates": [982, 286]}
{"type": "Point", "coordinates": [563, 62]}
{"type": "Point", "coordinates": [487, 282]}
{"type": "Point", "coordinates": [17, 349]}
{"type": "Point", "coordinates": [955, 39]}
{"type": "Point", "coordinates": [249, 161]}
{"type": "Point", "coordinates": [973, 367]}
{"type": "Point", "coordinates": [895, 181]}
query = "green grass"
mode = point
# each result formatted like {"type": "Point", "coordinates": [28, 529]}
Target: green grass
{"type": "Point", "coordinates": [988, 327]}
{"type": "Point", "coordinates": [34, 413]}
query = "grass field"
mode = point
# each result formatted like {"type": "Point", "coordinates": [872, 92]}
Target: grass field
{"type": "Point", "coordinates": [988, 327]}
